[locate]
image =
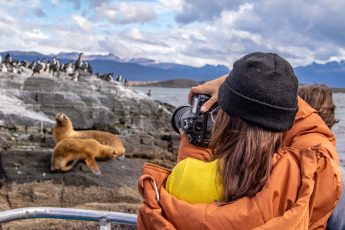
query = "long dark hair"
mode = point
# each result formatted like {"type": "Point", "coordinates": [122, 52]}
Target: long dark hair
{"type": "Point", "coordinates": [245, 153]}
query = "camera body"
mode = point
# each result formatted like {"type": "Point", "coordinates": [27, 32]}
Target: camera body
{"type": "Point", "coordinates": [197, 125]}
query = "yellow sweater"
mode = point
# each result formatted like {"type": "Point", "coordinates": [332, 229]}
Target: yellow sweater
{"type": "Point", "coordinates": [195, 181]}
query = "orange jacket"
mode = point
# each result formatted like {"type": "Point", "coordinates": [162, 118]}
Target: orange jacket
{"type": "Point", "coordinates": [303, 189]}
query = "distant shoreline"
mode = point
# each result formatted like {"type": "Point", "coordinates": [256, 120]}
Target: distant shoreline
{"type": "Point", "coordinates": [338, 90]}
{"type": "Point", "coordinates": [141, 83]}
{"type": "Point", "coordinates": [174, 83]}
{"type": "Point", "coordinates": [187, 83]}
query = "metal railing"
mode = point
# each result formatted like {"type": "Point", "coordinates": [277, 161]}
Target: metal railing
{"type": "Point", "coordinates": [104, 218]}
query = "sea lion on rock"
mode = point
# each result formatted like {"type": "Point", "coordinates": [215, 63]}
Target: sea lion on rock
{"type": "Point", "coordinates": [64, 130]}
{"type": "Point", "coordinates": [69, 151]}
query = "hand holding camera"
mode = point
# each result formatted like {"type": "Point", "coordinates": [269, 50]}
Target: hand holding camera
{"type": "Point", "coordinates": [208, 88]}
{"type": "Point", "coordinates": [197, 125]}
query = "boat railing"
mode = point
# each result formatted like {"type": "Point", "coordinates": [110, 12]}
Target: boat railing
{"type": "Point", "coordinates": [104, 218]}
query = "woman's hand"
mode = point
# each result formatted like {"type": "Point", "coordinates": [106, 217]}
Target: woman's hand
{"type": "Point", "coordinates": [211, 88]}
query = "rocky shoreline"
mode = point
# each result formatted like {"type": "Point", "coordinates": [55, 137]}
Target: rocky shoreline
{"type": "Point", "coordinates": [27, 112]}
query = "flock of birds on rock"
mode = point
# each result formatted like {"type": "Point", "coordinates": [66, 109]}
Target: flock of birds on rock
{"type": "Point", "coordinates": [71, 69]}
{"type": "Point", "coordinates": [10, 66]}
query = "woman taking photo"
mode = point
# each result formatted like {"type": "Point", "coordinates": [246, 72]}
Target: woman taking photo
{"type": "Point", "coordinates": [272, 161]}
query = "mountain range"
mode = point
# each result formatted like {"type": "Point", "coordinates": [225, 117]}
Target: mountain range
{"type": "Point", "coordinates": [143, 69]}
{"type": "Point", "coordinates": [331, 74]}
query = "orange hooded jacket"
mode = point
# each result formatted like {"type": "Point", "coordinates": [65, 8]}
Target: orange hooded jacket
{"type": "Point", "coordinates": [301, 193]}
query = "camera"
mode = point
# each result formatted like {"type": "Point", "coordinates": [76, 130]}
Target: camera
{"type": "Point", "coordinates": [197, 125]}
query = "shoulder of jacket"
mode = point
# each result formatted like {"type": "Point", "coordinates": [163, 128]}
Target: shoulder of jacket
{"type": "Point", "coordinates": [286, 153]}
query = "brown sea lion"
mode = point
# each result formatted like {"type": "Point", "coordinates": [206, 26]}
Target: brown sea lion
{"type": "Point", "coordinates": [64, 130]}
{"type": "Point", "coordinates": [69, 151]}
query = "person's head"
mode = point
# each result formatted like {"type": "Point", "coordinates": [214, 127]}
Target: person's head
{"type": "Point", "coordinates": [258, 102]}
{"type": "Point", "coordinates": [320, 97]}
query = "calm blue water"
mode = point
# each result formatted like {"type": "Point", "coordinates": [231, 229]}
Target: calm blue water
{"type": "Point", "coordinates": [178, 97]}
{"type": "Point", "coordinates": [173, 96]}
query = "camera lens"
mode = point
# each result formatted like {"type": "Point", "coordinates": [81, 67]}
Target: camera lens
{"type": "Point", "coordinates": [176, 116]}
{"type": "Point", "coordinates": [199, 125]}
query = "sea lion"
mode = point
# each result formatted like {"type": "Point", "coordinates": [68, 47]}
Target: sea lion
{"type": "Point", "coordinates": [64, 130]}
{"type": "Point", "coordinates": [69, 151]}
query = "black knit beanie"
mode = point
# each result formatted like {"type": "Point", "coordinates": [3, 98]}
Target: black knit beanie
{"type": "Point", "coordinates": [261, 89]}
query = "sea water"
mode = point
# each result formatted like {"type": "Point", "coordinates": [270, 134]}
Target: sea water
{"type": "Point", "coordinates": [179, 97]}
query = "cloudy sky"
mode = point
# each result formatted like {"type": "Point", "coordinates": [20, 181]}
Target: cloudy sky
{"type": "Point", "coordinates": [192, 32]}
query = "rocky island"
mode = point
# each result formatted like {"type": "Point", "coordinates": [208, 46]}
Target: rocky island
{"type": "Point", "coordinates": [28, 106]}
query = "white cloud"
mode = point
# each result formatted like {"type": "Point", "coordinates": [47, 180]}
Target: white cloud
{"type": "Point", "coordinates": [35, 34]}
{"type": "Point", "coordinates": [230, 17]}
{"type": "Point", "coordinates": [217, 32]}
{"type": "Point", "coordinates": [58, 4]}
{"type": "Point", "coordinates": [338, 58]}
{"type": "Point", "coordinates": [126, 12]}
{"type": "Point", "coordinates": [7, 20]}
{"type": "Point", "coordinates": [135, 13]}
{"type": "Point", "coordinates": [175, 5]}
{"type": "Point", "coordinates": [134, 34]}
{"type": "Point", "coordinates": [268, 25]}
{"type": "Point", "coordinates": [111, 14]}
{"type": "Point", "coordinates": [82, 22]}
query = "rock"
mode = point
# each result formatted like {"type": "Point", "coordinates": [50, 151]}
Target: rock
{"type": "Point", "coordinates": [27, 117]}
{"type": "Point", "coordinates": [3, 144]}
{"type": "Point", "coordinates": [33, 102]}
{"type": "Point", "coordinates": [28, 182]}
